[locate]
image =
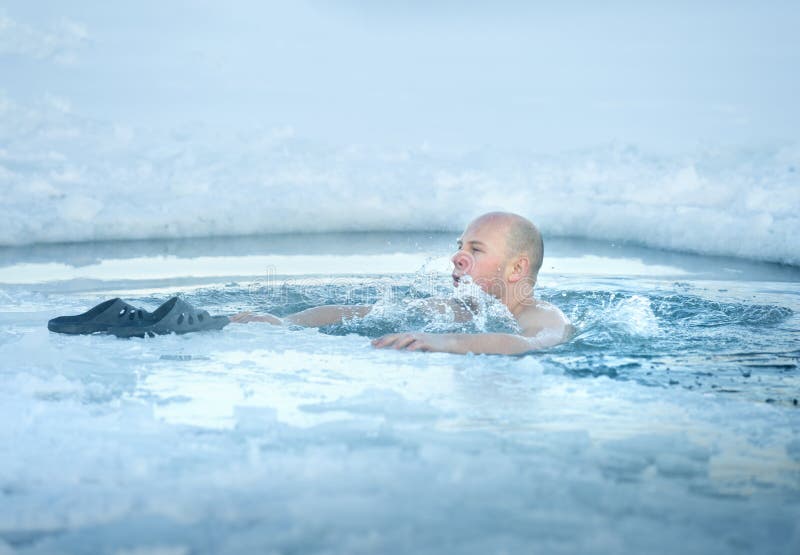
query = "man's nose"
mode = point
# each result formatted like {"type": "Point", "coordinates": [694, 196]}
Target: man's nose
{"type": "Point", "coordinates": [462, 261]}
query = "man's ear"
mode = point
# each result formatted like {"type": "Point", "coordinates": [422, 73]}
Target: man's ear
{"type": "Point", "coordinates": [519, 269]}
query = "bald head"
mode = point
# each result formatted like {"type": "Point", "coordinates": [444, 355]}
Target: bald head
{"type": "Point", "coordinates": [522, 237]}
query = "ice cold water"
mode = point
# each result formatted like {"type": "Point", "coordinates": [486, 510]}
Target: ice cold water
{"type": "Point", "coordinates": [669, 423]}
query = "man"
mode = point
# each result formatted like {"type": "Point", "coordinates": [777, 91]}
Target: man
{"type": "Point", "coordinates": [502, 253]}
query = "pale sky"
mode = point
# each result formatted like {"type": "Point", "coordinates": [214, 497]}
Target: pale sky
{"type": "Point", "coordinates": [512, 75]}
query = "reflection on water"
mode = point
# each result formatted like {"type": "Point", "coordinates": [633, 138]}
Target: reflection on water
{"type": "Point", "coordinates": [307, 254]}
{"type": "Point", "coordinates": [155, 268]}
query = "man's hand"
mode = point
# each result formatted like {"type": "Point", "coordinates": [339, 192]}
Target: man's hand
{"type": "Point", "coordinates": [245, 317]}
{"type": "Point", "coordinates": [413, 341]}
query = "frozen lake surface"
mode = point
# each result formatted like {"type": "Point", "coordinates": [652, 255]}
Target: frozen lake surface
{"type": "Point", "coordinates": [669, 424]}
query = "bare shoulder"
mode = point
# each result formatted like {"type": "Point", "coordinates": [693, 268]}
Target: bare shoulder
{"type": "Point", "coordinates": [542, 319]}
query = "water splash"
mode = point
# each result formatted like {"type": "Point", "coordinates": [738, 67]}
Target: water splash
{"type": "Point", "coordinates": [434, 307]}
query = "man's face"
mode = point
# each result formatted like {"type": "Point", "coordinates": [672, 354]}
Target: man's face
{"type": "Point", "coordinates": [482, 256]}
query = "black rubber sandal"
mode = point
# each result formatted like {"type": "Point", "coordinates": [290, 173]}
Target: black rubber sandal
{"type": "Point", "coordinates": [116, 317]}
{"type": "Point", "coordinates": [178, 316]}
{"type": "Point", "coordinates": [103, 318]}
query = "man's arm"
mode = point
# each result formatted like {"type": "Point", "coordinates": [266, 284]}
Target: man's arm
{"type": "Point", "coordinates": [311, 318]}
{"type": "Point", "coordinates": [462, 343]}
{"type": "Point", "coordinates": [544, 332]}
{"type": "Point", "coordinates": [335, 314]}
{"type": "Point", "coordinates": [326, 315]}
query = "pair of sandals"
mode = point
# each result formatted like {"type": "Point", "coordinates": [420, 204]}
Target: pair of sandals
{"type": "Point", "coordinates": [116, 317]}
